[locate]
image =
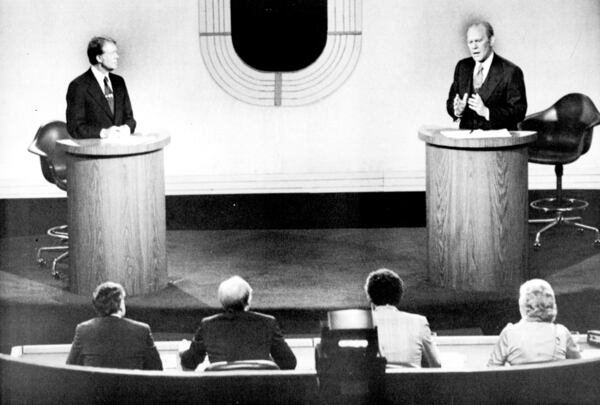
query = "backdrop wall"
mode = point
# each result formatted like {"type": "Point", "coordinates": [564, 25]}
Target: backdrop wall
{"type": "Point", "coordinates": [363, 137]}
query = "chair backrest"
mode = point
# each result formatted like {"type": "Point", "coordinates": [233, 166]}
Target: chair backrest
{"type": "Point", "coordinates": [242, 365]}
{"type": "Point", "coordinates": [564, 129]}
{"type": "Point", "coordinates": [350, 319]}
{"type": "Point", "coordinates": [52, 159]}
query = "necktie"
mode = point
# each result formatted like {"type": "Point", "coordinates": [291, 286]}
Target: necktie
{"type": "Point", "coordinates": [109, 95]}
{"type": "Point", "coordinates": [478, 79]}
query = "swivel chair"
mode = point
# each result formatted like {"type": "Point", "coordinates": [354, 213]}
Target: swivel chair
{"type": "Point", "coordinates": [564, 134]}
{"type": "Point", "coordinates": [54, 168]}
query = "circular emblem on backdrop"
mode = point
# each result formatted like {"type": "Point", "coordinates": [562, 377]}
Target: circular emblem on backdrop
{"type": "Point", "coordinates": [259, 53]}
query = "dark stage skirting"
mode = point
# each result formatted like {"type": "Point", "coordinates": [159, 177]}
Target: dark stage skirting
{"type": "Point", "coordinates": [297, 275]}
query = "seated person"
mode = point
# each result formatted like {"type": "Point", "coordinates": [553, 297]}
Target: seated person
{"type": "Point", "coordinates": [110, 340]}
{"type": "Point", "coordinates": [535, 338]}
{"type": "Point", "coordinates": [237, 333]}
{"type": "Point", "coordinates": [404, 338]}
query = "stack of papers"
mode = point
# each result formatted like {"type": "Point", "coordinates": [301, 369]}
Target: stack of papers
{"type": "Point", "coordinates": [476, 133]}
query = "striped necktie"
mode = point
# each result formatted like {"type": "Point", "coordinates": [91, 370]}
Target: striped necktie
{"type": "Point", "coordinates": [478, 79]}
{"type": "Point", "coordinates": [108, 93]}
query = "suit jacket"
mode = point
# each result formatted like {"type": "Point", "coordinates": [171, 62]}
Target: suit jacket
{"type": "Point", "coordinates": [242, 335]}
{"type": "Point", "coordinates": [405, 338]}
{"type": "Point", "coordinates": [88, 111]}
{"type": "Point", "coordinates": [503, 92]}
{"type": "Point", "coordinates": [533, 342]}
{"type": "Point", "coordinates": [109, 341]}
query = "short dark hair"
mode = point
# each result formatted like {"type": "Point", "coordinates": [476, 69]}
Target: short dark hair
{"type": "Point", "coordinates": [107, 298]}
{"type": "Point", "coordinates": [95, 48]}
{"type": "Point", "coordinates": [489, 30]}
{"type": "Point", "coordinates": [384, 287]}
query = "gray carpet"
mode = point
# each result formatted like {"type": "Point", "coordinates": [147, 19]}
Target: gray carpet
{"type": "Point", "coordinates": [298, 275]}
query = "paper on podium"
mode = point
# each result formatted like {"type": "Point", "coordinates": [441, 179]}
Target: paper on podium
{"type": "Point", "coordinates": [476, 133]}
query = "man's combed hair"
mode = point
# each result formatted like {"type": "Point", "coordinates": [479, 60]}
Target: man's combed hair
{"type": "Point", "coordinates": [384, 287]}
{"type": "Point", "coordinates": [95, 48]}
{"type": "Point", "coordinates": [489, 30]}
{"type": "Point", "coordinates": [537, 301]}
{"type": "Point", "coordinates": [107, 298]}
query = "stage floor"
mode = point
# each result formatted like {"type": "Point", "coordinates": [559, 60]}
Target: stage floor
{"type": "Point", "coordinates": [297, 275]}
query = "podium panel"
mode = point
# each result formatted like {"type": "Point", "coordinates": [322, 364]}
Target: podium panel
{"type": "Point", "coordinates": [477, 210]}
{"type": "Point", "coordinates": [116, 212]}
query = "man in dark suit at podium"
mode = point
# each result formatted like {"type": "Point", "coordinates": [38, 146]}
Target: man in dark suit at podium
{"type": "Point", "coordinates": [488, 91]}
{"type": "Point", "coordinates": [98, 104]}
{"type": "Point", "coordinates": [111, 340]}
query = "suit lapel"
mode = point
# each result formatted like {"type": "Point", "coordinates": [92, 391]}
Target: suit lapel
{"type": "Point", "coordinates": [94, 90]}
{"type": "Point", "coordinates": [494, 77]}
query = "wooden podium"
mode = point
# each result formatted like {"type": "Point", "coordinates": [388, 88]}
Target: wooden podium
{"type": "Point", "coordinates": [477, 209]}
{"type": "Point", "coordinates": [116, 213]}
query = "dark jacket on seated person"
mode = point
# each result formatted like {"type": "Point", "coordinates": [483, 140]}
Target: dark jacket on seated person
{"type": "Point", "coordinates": [239, 335]}
{"type": "Point", "coordinates": [111, 341]}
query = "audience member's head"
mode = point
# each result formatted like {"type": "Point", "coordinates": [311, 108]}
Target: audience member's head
{"type": "Point", "coordinates": [109, 298]}
{"type": "Point", "coordinates": [537, 302]}
{"type": "Point", "coordinates": [384, 287]}
{"type": "Point", "coordinates": [235, 294]}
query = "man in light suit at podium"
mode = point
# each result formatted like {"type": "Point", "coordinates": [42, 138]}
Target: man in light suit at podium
{"type": "Point", "coordinates": [488, 91]}
{"type": "Point", "coordinates": [98, 104]}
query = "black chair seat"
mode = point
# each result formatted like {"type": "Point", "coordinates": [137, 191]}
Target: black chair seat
{"type": "Point", "coordinates": [53, 162]}
{"type": "Point", "coordinates": [564, 134]}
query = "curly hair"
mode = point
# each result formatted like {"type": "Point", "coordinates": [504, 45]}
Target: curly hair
{"type": "Point", "coordinates": [107, 298]}
{"type": "Point", "coordinates": [384, 287]}
{"type": "Point", "coordinates": [537, 302]}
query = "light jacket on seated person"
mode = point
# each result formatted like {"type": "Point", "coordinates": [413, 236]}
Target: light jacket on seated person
{"type": "Point", "coordinates": [404, 338]}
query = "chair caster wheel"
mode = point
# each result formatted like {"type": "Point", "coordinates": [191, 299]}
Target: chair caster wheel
{"type": "Point", "coordinates": [579, 230]}
{"type": "Point", "coordinates": [537, 246]}
{"type": "Point", "coordinates": [41, 262]}
{"type": "Point", "coordinates": [597, 243]}
{"type": "Point", "coordinates": [56, 276]}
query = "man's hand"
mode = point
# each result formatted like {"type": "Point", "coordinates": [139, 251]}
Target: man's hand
{"type": "Point", "coordinates": [460, 105]}
{"type": "Point", "coordinates": [476, 104]}
{"type": "Point", "coordinates": [124, 130]}
{"type": "Point", "coordinates": [183, 346]}
{"type": "Point", "coordinates": [115, 131]}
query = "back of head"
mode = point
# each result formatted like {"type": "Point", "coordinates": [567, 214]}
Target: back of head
{"type": "Point", "coordinates": [537, 302]}
{"type": "Point", "coordinates": [384, 287]}
{"type": "Point", "coordinates": [108, 298]}
{"type": "Point", "coordinates": [235, 294]}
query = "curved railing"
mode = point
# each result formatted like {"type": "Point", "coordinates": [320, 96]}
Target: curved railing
{"type": "Point", "coordinates": [568, 381]}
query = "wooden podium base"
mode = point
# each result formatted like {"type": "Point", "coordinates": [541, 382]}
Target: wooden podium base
{"type": "Point", "coordinates": [477, 210]}
{"type": "Point", "coordinates": [116, 211]}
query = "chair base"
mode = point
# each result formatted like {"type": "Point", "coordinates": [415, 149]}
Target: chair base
{"type": "Point", "coordinates": [61, 233]}
{"type": "Point", "coordinates": [57, 259]}
{"type": "Point", "coordinates": [558, 220]}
